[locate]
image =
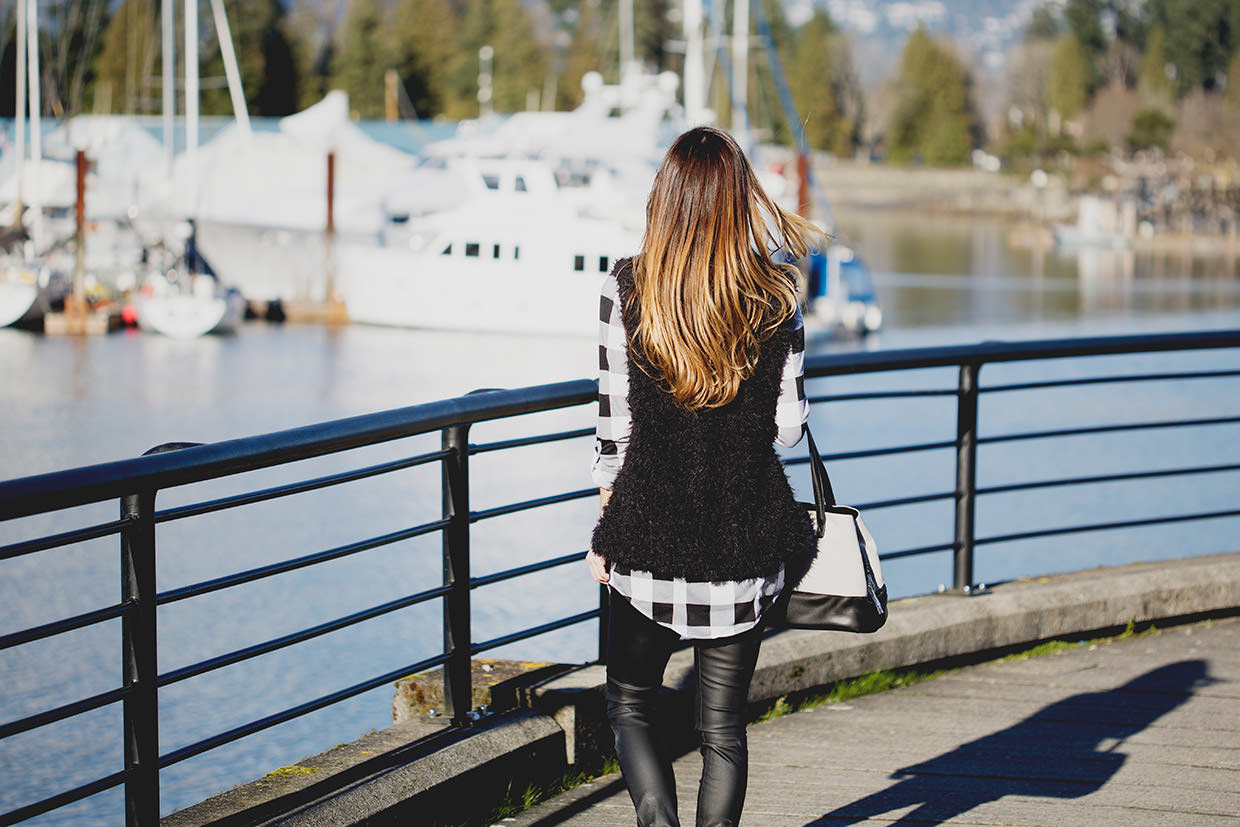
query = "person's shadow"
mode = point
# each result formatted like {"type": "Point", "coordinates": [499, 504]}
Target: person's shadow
{"type": "Point", "coordinates": [1065, 750]}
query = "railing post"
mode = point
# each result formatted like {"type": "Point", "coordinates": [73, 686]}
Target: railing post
{"type": "Point", "coordinates": [966, 474]}
{"type": "Point", "coordinates": [141, 661]}
{"type": "Point", "coordinates": [457, 677]}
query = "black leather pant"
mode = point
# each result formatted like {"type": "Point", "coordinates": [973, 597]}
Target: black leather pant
{"type": "Point", "coordinates": [638, 651]}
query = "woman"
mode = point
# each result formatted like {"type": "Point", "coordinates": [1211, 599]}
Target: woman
{"type": "Point", "coordinates": [701, 353]}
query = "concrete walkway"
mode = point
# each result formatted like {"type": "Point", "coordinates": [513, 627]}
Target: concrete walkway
{"type": "Point", "coordinates": [1139, 731]}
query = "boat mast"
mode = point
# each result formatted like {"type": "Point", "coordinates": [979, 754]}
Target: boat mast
{"type": "Point", "coordinates": [21, 105]}
{"type": "Point", "coordinates": [191, 104]}
{"type": "Point", "coordinates": [224, 35]}
{"type": "Point", "coordinates": [627, 66]}
{"type": "Point", "coordinates": [740, 69]}
{"type": "Point", "coordinates": [36, 122]}
{"type": "Point", "coordinates": [695, 80]}
{"type": "Point", "coordinates": [170, 81]}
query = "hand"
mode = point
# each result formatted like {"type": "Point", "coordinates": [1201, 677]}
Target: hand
{"type": "Point", "coordinates": [598, 567]}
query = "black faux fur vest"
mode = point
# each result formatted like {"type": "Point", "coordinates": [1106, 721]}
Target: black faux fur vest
{"type": "Point", "coordinates": [702, 494]}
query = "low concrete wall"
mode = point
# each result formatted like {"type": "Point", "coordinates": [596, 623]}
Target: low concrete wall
{"type": "Point", "coordinates": [429, 775]}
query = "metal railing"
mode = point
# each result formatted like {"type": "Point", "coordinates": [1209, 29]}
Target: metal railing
{"type": "Point", "coordinates": [136, 482]}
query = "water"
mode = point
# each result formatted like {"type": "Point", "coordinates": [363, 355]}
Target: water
{"type": "Point", "coordinates": [74, 402]}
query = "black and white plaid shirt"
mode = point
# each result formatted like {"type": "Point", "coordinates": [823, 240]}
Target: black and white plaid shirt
{"type": "Point", "coordinates": [693, 609]}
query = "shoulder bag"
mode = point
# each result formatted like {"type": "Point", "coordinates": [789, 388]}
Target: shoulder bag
{"type": "Point", "coordinates": [840, 587]}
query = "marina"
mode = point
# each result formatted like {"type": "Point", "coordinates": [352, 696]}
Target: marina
{"type": "Point", "coordinates": [75, 402]}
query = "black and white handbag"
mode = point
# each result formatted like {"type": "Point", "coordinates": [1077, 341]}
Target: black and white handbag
{"type": "Point", "coordinates": [840, 587]}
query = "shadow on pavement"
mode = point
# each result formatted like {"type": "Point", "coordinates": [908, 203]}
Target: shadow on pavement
{"type": "Point", "coordinates": [1066, 750]}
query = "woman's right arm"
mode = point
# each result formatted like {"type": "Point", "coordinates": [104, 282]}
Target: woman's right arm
{"type": "Point", "coordinates": [792, 408]}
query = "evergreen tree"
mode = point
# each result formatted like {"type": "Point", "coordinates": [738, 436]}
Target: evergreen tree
{"type": "Point", "coordinates": [128, 55]}
{"type": "Point", "coordinates": [821, 86]}
{"type": "Point", "coordinates": [1043, 25]}
{"type": "Point", "coordinates": [74, 28]}
{"type": "Point", "coordinates": [1068, 80]}
{"type": "Point", "coordinates": [933, 118]}
{"type": "Point", "coordinates": [586, 52]}
{"type": "Point", "coordinates": [425, 31]}
{"type": "Point", "coordinates": [1084, 19]}
{"type": "Point", "coordinates": [1201, 37]}
{"type": "Point", "coordinates": [265, 56]}
{"type": "Point", "coordinates": [1153, 80]}
{"type": "Point", "coordinates": [364, 58]}
{"type": "Point", "coordinates": [518, 62]}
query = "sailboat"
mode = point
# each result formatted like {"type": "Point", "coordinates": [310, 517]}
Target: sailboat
{"type": "Point", "coordinates": [181, 297]}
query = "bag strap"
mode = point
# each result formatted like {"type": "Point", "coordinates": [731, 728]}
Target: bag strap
{"type": "Point", "coordinates": [824, 496]}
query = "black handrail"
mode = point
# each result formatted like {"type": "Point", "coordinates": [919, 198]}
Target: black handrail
{"type": "Point", "coordinates": [136, 483]}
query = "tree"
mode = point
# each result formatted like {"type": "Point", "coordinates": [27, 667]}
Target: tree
{"type": "Point", "coordinates": [518, 61]}
{"type": "Point", "coordinates": [1151, 128]}
{"type": "Point", "coordinates": [934, 118]}
{"type": "Point", "coordinates": [425, 32]}
{"type": "Point", "coordinates": [127, 58]}
{"type": "Point", "coordinates": [585, 53]}
{"type": "Point", "coordinates": [1068, 80]}
{"type": "Point", "coordinates": [1201, 37]}
{"type": "Point", "coordinates": [1084, 19]}
{"type": "Point", "coordinates": [365, 56]}
{"type": "Point", "coordinates": [823, 86]}
{"type": "Point", "coordinates": [1154, 81]}
{"type": "Point", "coordinates": [1043, 25]}
{"type": "Point", "coordinates": [266, 59]}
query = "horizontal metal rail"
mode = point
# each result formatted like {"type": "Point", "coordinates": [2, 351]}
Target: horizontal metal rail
{"type": "Point", "coordinates": [522, 442]}
{"type": "Point", "coordinates": [526, 505]}
{"type": "Point", "coordinates": [66, 798]}
{"type": "Point", "coordinates": [1101, 478]}
{"type": "Point", "coordinates": [207, 586]}
{"type": "Point", "coordinates": [64, 711]}
{"type": "Point", "coordinates": [1107, 380]}
{"type": "Point", "coordinates": [871, 395]}
{"type": "Point", "coordinates": [1109, 429]}
{"type": "Point", "coordinates": [59, 627]}
{"type": "Point", "coordinates": [1109, 526]}
{"type": "Point", "coordinates": [293, 638]}
{"type": "Point", "coordinates": [182, 512]}
{"type": "Point", "coordinates": [521, 571]}
{"type": "Point", "coordinates": [526, 634]}
{"type": "Point", "coordinates": [66, 538]}
{"type": "Point", "coordinates": [289, 714]}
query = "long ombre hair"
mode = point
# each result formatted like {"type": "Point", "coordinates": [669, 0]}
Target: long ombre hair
{"type": "Point", "coordinates": [709, 291]}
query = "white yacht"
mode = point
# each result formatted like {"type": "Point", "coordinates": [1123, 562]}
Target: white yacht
{"type": "Point", "coordinates": [513, 255]}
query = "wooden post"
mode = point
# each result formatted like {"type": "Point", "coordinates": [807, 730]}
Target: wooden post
{"type": "Point", "coordinates": [75, 303]}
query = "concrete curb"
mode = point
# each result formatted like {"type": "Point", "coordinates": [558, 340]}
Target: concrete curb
{"type": "Point", "coordinates": [456, 775]}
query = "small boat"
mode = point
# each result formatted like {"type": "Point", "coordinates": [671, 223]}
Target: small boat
{"type": "Point", "coordinates": [840, 293]}
{"type": "Point", "coordinates": [185, 299]}
{"type": "Point", "coordinates": [27, 291]}
{"type": "Point", "coordinates": [187, 311]}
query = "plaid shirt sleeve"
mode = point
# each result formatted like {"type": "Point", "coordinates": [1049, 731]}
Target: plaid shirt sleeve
{"type": "Point", "coordinates": [612, 437]}
{"type": "Point", "coordinates": [792, 408]}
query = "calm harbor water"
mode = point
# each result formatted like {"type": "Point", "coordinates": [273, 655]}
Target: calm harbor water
{"type": "Point", "coordinates": [71, 402]}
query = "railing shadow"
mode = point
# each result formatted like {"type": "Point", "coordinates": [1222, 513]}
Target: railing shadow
{"type": "Point", "coordinates": [1067, 750]}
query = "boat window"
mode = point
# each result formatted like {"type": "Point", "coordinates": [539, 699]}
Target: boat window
{"type": "Point", "coordinates": [495, 251]}
{"type": "Point", "coordinates": [602, 264]}
{"type": "Point", "coordinates": [579, 263]}
{"type": "Point", "coordinates": [519, 185]}
{"type": "Point", "coordinates": [492, 181]}
{"type": "Point", "coordinates": [471, 249]}
{"type": "Point", "coordinates": [400, 218]}
{"type": "Point", "coordinates": [516, 253]}
{"type": "Point", "coordinates": [447, 251]}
